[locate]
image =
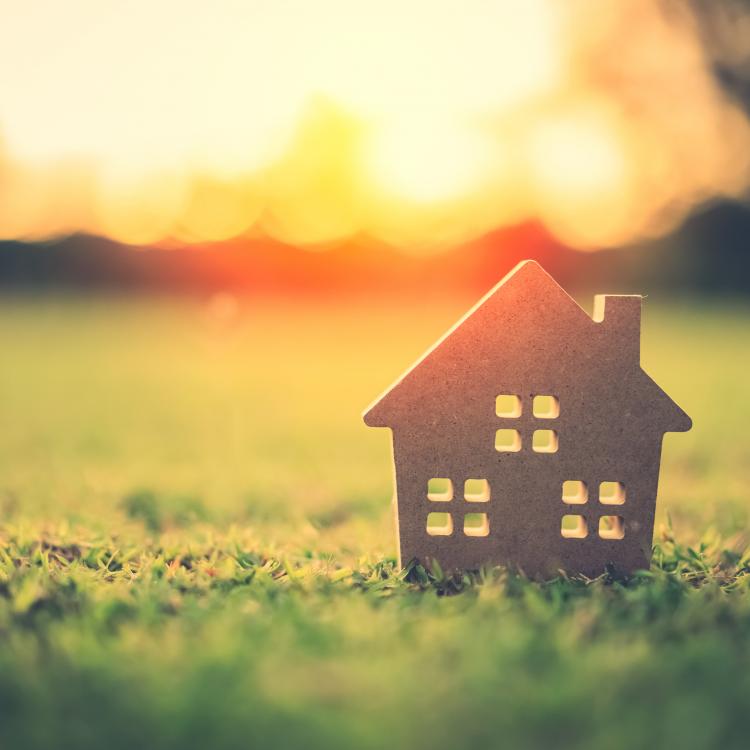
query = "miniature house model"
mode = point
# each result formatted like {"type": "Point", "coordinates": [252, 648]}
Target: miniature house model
{"type": "Point", "coordinates": [530, 436]}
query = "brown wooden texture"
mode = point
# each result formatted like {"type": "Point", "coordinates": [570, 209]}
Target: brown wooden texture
{"type": "Point", "coordinates": [527, 338]}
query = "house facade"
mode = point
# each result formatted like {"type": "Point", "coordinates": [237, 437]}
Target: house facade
{"type": "Point", "coordinates": [529, 435]}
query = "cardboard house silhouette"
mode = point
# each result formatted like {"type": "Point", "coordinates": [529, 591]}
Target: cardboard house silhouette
{"type": "Point", "coordinates": [530, 436]}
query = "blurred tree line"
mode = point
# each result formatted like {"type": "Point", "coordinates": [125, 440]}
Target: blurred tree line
{"type": "Point", "coordinates": [709, 254]}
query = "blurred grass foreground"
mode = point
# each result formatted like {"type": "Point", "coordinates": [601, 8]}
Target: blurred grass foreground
{"type": "Point", "coordinates": [196, 547]}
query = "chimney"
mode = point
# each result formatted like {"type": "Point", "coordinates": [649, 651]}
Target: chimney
{"type": "Point", "coordinates": [620, 314]}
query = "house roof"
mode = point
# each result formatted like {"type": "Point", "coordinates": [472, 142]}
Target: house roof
{"type": "Point", "coordinates": [527, 285]}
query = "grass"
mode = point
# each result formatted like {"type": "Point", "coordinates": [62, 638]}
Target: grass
{"type": "Point", "coordinates": [196, 548]}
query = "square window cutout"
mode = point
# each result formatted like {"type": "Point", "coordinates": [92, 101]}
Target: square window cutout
{"type": "Point", "coordinates": [508, 441]}
{"type": "Point", "coordinates": [476, 524]}
{"type": "Point", "coordinates": [611, 527]}
{"type": "Point", "coordinates": [507, 405]}
{"type": "Point", "coordinates": [574, 527]}
{"type": "Point", "coordinates": [546, 407]}
{"type": "Point", "coordinates": [612, 493]}
{"type": "Point", "coordinates": [544, 441]}
{"type": "Point", "coordinates": [477, 491]}
{"type": "Point", "coordinates": [439, 490]}
{"type": "Point", "coordinates": [575, 492]}
{"type": "Point", "coordinates": [439, 524]}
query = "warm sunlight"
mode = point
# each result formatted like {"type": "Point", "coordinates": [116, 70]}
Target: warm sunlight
{"type": "Point", "coordinates": [425, 161]}
{"type": "Point", "coordinates": [419, 124]}
{"type": "Point", "coordinates": [579, 175]}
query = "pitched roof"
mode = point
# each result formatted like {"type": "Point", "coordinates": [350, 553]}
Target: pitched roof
{"type": "Point", "coordinates": [527, 286]}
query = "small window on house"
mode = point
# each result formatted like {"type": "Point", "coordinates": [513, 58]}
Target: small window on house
{"type": "Point", "coordinates": [507, 441]}
{"type": "Point", "coordinates": [574, 527]}
{"type": "Point", "coordinates": [612, 493]}
{"type": "Point", "coordinates": [439, 524]}
{"type": "Point", "coordinates": [544, 441]}
{"type": "Point", "coordinates": [477, 491]}
{"type": "Point", "coordinates": [575, 492]}
{"type": "Point", "coordinates": [476, 524]}
{"type": "Point", "coordinates": [508, 406]}
{"type": "Point", "coordinates": [439, 490]}
{"type": "Point", "coordinates": [611, 527]}
{"type": "Point", "coordinates": [546, 407]}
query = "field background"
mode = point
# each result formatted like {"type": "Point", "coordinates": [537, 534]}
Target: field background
{"type": "Point", "coordinates": [196, 547]}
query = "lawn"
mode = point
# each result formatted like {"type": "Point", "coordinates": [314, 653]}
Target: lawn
{"type": "Point", "coordinates": [196, 548]}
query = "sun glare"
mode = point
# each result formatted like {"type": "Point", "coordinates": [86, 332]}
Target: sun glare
{"type": "Point", "coordinates": [575, 157]}
{"type": "Point", "coordinates": [579, 176]}
{"type": "Point", "coordinates": [424, 161]}
{"type": "Point", "coordinates": [419, 123]}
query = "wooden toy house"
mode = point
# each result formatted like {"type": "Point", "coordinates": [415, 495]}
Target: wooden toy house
{"type": "Point", "coordinates": [530, 436]}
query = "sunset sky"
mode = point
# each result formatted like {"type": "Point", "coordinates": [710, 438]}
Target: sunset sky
{"type": "Point", "coordinates": [418, 123]}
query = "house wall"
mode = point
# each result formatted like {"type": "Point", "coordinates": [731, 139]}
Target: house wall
{"type": "Point", "coordinates": [601, 438]}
